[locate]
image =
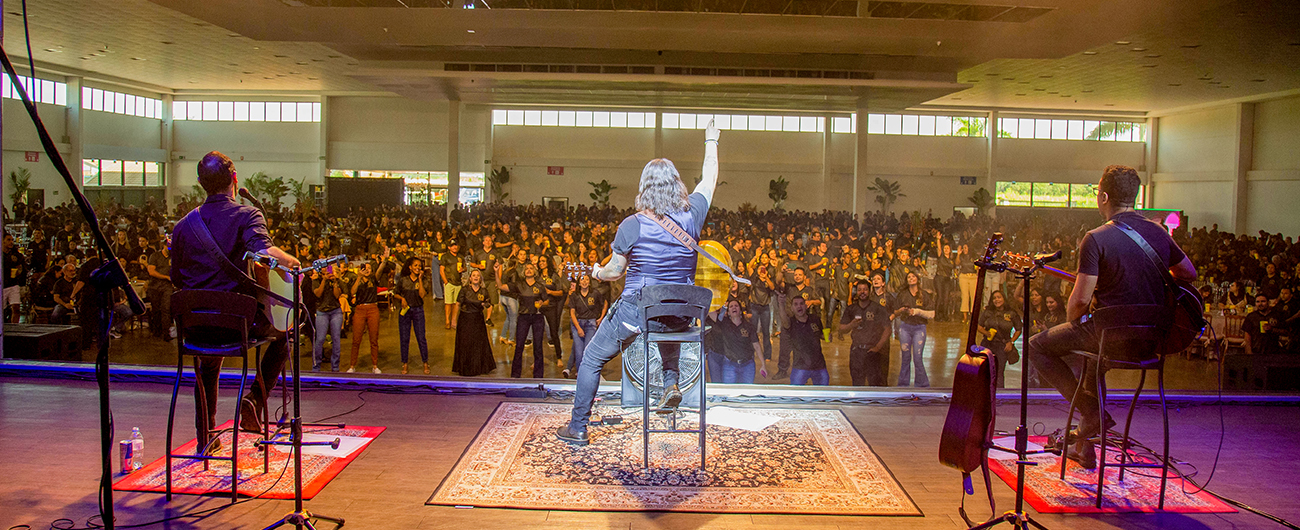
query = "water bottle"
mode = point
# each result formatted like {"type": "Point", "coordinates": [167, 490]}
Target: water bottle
{"type": "Point", "coordinates": [137, 449]}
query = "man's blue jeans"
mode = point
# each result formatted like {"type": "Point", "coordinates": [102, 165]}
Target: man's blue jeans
{"type": "Point", "coordinates": [763, 319]}
{"type": "Point", "coordinates": [610, 338]}
{"type": "Point", "coordinates": [817, 377]}
{"type": "Point", "coordinates": [331, 321]}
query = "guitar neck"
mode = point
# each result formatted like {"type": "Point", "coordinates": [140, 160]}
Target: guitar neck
{"type": "Point", "coordinates": [1058, 273]}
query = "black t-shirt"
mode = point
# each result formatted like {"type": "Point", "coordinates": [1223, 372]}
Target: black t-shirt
{"type": "Point", "coordinates": [472, 301]}
{"type": "Point", "coordinates": [1002, 323]}
{"type": "Point", "coordinates": [923, 300]}
{"type": "Point", "coordinates": [735, 341]}
{"type": "Point", "coordinates": [1263, 341]}
{"type": "Point", "coordinates": [15, 268]}
{"type": "Point", "coordinates": [587, 306]}
{"type": "Point", "coordinates": [806, 341]}
{"type": "Point", "coordinates": [875, 321]}
{"type": "Point", "coordinates": [410, 290]}
{"type": "Point", "coordinates": [327, 301]}
{"type": "Point", "coordinates": [1125, 276]}
{"type": "Point", "coordinates": [367, 290]}
{"type": "Point", "coordinates": [487, 261]}
{"type": "Point", "coordinates": [39, 254]}
{"type": "Point", "coordinates": [63, 289]}
{"type": "Point", "coordinates": [529, 295]}
{"type": "Point", "coordinates": [808, 292]}
{"type": "Point", "coordinates": [452, 267]}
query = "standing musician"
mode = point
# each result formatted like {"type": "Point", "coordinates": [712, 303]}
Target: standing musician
{"type": "Point", "coordinates": [236, 229]}
{"type": "Point", "coordinates": [649, 255]}
{"type": "Point", "coordinates": [1113, 270]}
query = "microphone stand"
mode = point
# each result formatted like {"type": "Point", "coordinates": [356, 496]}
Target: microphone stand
{"type": "Point", "coordinates": [104, 279]}
{"type": "Point", "coordinates": [300, 517]}
{"type": "Point", "coordinates": [1019, 518]}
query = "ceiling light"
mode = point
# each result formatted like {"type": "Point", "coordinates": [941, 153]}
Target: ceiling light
{"type": "Point", "coordinates": [1020, 94]}
{"type": "Point", "coordinates": [1123, 42]}
{"type": "Point", "coordinates": [1175, 84]}
{"type": "Point", "coordinates": [469, 31]}
{"type": "Point", "coordinates": [1256, 80]}
{"type": "Point", "coordinates": [1150, 65]}
{"type": "Point", "coordinates": [137, 58]}
{"type": "Point", "coordinates": [1088, 91]}
{"type": "Point", "coordinates": [1153, 56]}
{"type": "Point", "coordinates": [1191, 46]}
{"type": "Point", "coordinates": [168, 42]}
{"type": "Point", "coordinates": [1110, 104]}
{"type": "Point", "coordinates": [1046, 76]}
{"type": "Point", "coordinates": [193, 82]}
{"type": "Point", "coordinates": [1139, 49]}
{"type": "Point", "coordinates": [52, 50]}
{"type": "Point", "coordinates": [1090, 53]}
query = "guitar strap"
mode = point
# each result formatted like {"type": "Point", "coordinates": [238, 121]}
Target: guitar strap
{"type": "Point", "coordinates": [209, 246]}
{"type": "Point", "coordinates": [684, 238]}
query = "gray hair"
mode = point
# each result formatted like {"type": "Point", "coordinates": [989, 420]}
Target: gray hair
{"type": "Point", "coordinates": [661, 189]}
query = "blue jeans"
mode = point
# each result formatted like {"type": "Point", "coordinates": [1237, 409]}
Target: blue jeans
{"type": "Point", "coordinates": [511, 305]}
{"type": "Point", "coordinates": [724, 370]}
{"type": "Point", "coordinates": [818, 377]}
{"type": "Point", "coordinates": [580, 343]}
{"type": "Point", "coordinates": [912, 339]}
{"type": "Point", "coordinates": [331, 321]}
{"type": "Point", "coordinates": [436, 288]}
{"type": "Point", "coordinates": [610, 339]}
{"type": "Point", "coordinates": [763, 319]}
{"type": "Point", "coordinates": [414, 318]}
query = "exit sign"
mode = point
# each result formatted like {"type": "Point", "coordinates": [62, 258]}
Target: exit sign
{"type": "Point", "coordinates": [967, 181]}
{"type": "Point", "coordinates": [554, 170]}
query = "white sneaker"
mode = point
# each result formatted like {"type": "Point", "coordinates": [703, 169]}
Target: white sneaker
{"type": "Point", "coordinates": [376, 370]}
{"type": "Point", "coordinates": [115, 334]}
{"type": "Point", "coordinates": [352, 369]}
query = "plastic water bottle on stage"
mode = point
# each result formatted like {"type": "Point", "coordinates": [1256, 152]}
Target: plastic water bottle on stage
{"type": "Point", "coordinates": [137, 449]}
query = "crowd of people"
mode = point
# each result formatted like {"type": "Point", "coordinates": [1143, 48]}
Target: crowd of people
{"type": "Point", "coordinates": [815, 276]}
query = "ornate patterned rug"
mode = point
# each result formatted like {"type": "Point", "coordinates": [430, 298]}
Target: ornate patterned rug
{"type": "Point", "coordinates": [1140, 491]}
{"type": "Point", "coordinates": [189, 477]}
{"type": "Point", "coordinates": [808, 462]}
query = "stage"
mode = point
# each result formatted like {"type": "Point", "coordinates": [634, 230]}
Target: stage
{"type": "Point", "coordinates": [49, 436]}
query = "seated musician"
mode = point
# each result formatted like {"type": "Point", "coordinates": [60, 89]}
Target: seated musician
{"type": "Point", "coordinates": [1113, 271]}
{"type": "Point", "coordinates": [236, 229]}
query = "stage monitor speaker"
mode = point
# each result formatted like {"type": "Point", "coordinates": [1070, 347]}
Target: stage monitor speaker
{"type": "Point", "coordinates": [46, 342]}
{"type": "Point", "coordinates": [1261, 373]}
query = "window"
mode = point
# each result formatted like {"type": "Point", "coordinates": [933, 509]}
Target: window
{"type": "Point", "coordinates": [39, 90]}
{"type": "Point", "coordinates": [120, 103]}
{"type": "Point", "coordinates": [1106, 131]}
{"type": "Point", "coordinates": [122, 173]}
{"type": "Point", "coordinates": [302, 111]}
{"type": "Point", "coordinates": [1052, 195]}
{"type": "Point", "coordinates": [420, 184]}
{"type": "Point", "coordinates": [579, 118]}
{"type": "Point", "coordinates": [913, 125]}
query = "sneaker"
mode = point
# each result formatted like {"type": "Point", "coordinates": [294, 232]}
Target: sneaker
{"type": "Point", "coordinates": [375, 369]}
{"type": "Point", "coordinates": [114, 334]}
{"type": "Point", "coordinates": [352, 370]}
{"type": "Point", "coordinates": [565, 373]}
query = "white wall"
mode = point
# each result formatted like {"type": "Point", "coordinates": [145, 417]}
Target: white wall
{"type": "Point", "coordinates": [1273, 183]}
{"type": "Point", "coordinates": [20, 137]}
{"type": "Point", "coordinates": [289, 150]}
{"type": "Point", "coordinates": [1195, 165]}
{"type": "Point", "coordinates": [399, 134]}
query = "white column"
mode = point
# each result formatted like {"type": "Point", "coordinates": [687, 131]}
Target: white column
{"type": "Point", "coordinates": [1245, 149]}
{"type": "Point", "coordinates": [489, 137]}
{"type": "Point", "coordinates": [826, 162]}
{"type": "Point", "coordinates": [167, 139]}
{"type": "Point", "coordinates": [323, 148]}
{"type": "Point", "coordinates": [659, 134]}
{"type": "Point", "coordinates": [453, 155]}
{"type": "Point", "coordinates": [991, 135]}
{"type": "Point", "coordinates": [860, 171]}
{"type": "Point", "coordinates": [75, 133]}
{"type": "Point", "coordinates": [1152, 161]}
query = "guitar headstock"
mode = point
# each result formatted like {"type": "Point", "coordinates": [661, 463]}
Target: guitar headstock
{"type": "Point", "coordinates": [573, 270]}
{"type": "Point", "coordinates": [991, 250]}
{"type": "Point", "coordinates": [1018, 261]}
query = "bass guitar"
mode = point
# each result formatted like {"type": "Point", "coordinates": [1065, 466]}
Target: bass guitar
{"type": "Point", "coordinates": [1187, 309]}
{"type": "Point", "coordinates": [968, 428]}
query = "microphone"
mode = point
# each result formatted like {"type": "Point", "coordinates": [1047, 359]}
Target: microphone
{"type": "Point", "coordinates": [262, 258]}
{"type": "Point", "coordinates": [243, 192]}
{"type": "Point", "coordinates": [325, 262]}
{"type": "Point", "coordinates": [1042, 259]}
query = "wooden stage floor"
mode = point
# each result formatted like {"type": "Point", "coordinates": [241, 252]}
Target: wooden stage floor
{"type": "Point", "coordinates": [49, 457]}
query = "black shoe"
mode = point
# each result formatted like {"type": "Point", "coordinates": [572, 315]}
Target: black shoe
{"type": "Point", "coordinates": [669, 401]}
{"type": "Point", "coordinates": [570, 436]}
{"type": "Point", "coordinates": [1085, 453]}
{"type": "Point", "coordinates": [208, 447]}
{"type": "Point", "coordinates": [249, 419]}
{"type": "Point", "coordinates": [1090, 430]}
{"type": "Point", "coordinates": [781, 374]}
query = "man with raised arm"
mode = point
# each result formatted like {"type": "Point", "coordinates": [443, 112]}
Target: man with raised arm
{"type": "Point", "coordinates": [648, 255]}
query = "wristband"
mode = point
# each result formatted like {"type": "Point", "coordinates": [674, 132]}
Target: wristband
{"type": "Point", "coordinates": [707, 141]}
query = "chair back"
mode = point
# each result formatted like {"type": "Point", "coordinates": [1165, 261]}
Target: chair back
{"type": "Point", "coordinates": [1134, 332]}
{"type": "Point", "coordinates": [210, 322]}
{"type": "Point", "coordinates": [688, 302]}
{"type": "Point", "coordinates": [1232, 326]}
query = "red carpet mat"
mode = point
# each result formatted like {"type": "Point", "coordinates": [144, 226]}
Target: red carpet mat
{"type": "Point", "coordinates": [1138, 493]}
{"type": "Point", "coordinates": [318, 469]}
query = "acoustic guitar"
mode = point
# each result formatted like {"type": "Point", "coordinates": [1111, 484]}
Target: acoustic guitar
{"type": "Point", "coordinates": [1184, 330]}
{"type": "Point", "coordinates": [708, 274]}
{"type": "Point", "coordinates": [968, 428]}
{"type": "Point", "coordinates": [274, 287]}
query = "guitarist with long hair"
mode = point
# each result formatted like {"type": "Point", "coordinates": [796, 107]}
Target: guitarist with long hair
{"type": "Point", "coordinates": [235, 229]}
{"type": "Point", "coordinates": [1113, 270]}
{"type": "Point", "coordinates": [647, 254]}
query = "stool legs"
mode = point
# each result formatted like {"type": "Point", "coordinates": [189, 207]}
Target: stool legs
{"type": "Point", "coordinates": [1164, 410]}
{"type": "Point", "coordinates": [234, 435]}
{"type": "Point", "coordinates": [171, 421]}
{"type": "Point", "coordinates": [1069, 418]}
{"type": "Point", "coordinates": [1101, 417]}
{"type": "Point", "coordinates": [1128, 422]}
